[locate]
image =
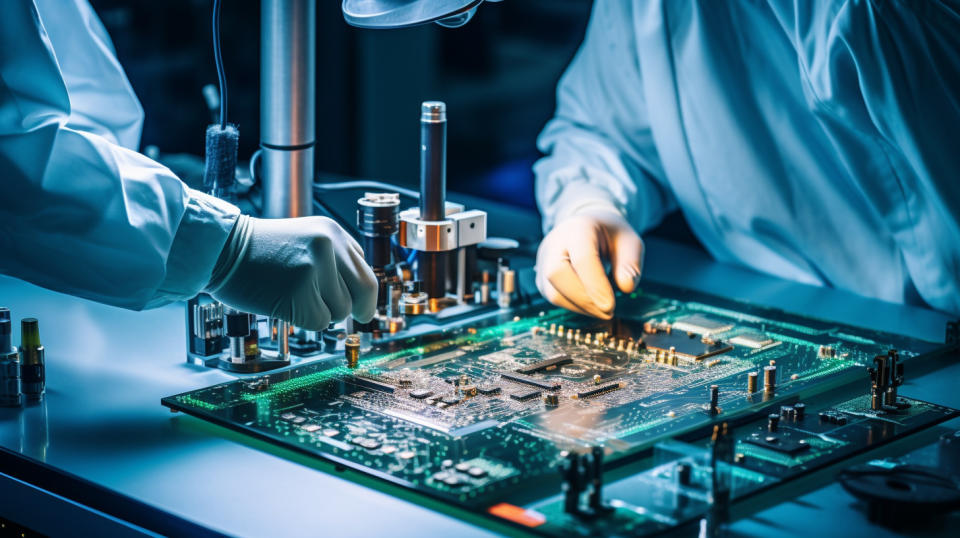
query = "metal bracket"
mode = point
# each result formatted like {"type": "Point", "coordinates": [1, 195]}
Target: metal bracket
{"type": "Point", "coordinates": [460, 229]}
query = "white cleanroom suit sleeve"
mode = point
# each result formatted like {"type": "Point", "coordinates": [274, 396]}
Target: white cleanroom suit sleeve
{"type": "Point", "coordinates": [79, 212]}
{"type": "Point", "coordinates": [893, 68]}
{"type": "Point", "coordinates": [599, 147]}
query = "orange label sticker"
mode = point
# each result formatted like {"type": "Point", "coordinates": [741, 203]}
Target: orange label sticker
{"type": "Point", "coordinates": [514, 513]}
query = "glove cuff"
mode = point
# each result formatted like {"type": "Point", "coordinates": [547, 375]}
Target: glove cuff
{"type": "Point", "coordinates": [233, 251]}
{"type": "Point", "coordinates": [204, 227]}
{"type": "Point", "coordinates": [581, 197]}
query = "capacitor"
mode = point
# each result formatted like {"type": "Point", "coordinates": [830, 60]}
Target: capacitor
{"type": "Point", "coordinates": [506, 283]}
{"type": "Point", "coordinates": [714, 399]}
{"type": "Point", "coordinates": [751, 382]}
{"type": "Point", "coordinates": [485, 287]}
{"type": "Point", "coordinates": [32, 361]}
{"type": "Point", "coordinates": [769, 378]}
{"type": "Point", "coordinates": [10, 387]}
{"type": "Point", "coordinates": [551, 399]}
{"type": "Point", "coordinates": [800, 410]}
{"type": "Point", "coordinates": [773, 420]}
{"type": "Point", "coordinates": [351, 350]}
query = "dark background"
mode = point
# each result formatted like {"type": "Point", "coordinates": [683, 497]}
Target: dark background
{"type": "Point", "coordinates": [497, 75]}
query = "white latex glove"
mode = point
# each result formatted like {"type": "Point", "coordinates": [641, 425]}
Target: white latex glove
{"type": "Point", "coordinates": [307, 271]}
{"type": "Point", "coordinates": [570, 271]}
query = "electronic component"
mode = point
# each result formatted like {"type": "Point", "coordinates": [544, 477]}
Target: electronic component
{"type": "Point", "coordinates": [351, 350]}
{"type": "Point", "coordinates": [751, 382]}
{"type": "Point", "coordinates": [675, 344]}
{"type": "Point", "coordinates": [603, 389]}
{"type": "Point", "coordinates": [524, 395]}
{"type": "Point", "coordinates": [527, 380]}
{"type": "Point", "coordinates": [488, 390]}
{"type": "Point", "coordinates": [702, 325]}
{"type": "Point", "coordinates": [752, 340]}
{"type": "Point", "coordinates": [32, 367]}
{"type": "Point", "coordinates": [421, 394]}
{"type": "Point", "coordinates": [714, 407]}
{"type": "Point", "coordinates": [770, 378]}
{"type": "Point", "coordinates": [886, 377]}
{"type": "Point", "coordinates": [551, 399]}
{"type": "Point", "coordinates": [549, 364]}
{"type": "Point", "coordinates": [10, 382]}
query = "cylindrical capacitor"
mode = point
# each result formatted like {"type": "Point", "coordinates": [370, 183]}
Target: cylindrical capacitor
{"type": "Point", "coordinates": [485, 287]}
{"type": "Point", "coordinates": [433, 190]}
{"type": "Point", "coordinates": [32, 369]}
{"type": "Point", "coordinates": [351, 350]}
{"type": "Point", "coordinates": [10, 388]}
{"type": "Point", "coordinates": [769, 378]}
{"type": "Point", "coordinates": [773, 420]}
{"type": "Point", "coordinates": [6, 331]}
{"type": "Point", "coordinates": [751, 382]}
{"type": "Point", "coordinates": [800, 410]}
{"type": "Point", "coordinates": [506, 283]}
{"type": "Point", "coordinates": [714, 399]}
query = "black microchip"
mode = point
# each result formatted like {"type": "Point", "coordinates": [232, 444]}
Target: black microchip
{"type": "Point", "coordinates": [525, 395]}
{"type": "Point", "coordinates": [421, 394]}
{"type": "Point", "coordinates": [488, 389]}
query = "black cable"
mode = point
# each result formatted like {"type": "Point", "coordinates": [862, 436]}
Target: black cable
{"type": "Point", "coordinates": [218, 57]}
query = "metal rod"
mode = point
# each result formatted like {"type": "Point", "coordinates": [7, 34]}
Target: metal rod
{"type": "Point", "coordinates": [433, 160]}
{"type": "Point", "coordinates": [433, 190]}
{"type": "Point", "coordinates": [288, 105]}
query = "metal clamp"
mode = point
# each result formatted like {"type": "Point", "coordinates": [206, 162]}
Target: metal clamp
{"type": "Point", "coordinates": [459, 229]}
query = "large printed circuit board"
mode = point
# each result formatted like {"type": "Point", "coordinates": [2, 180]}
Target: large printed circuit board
{"type": "Point", "coordinates": [480, 414]}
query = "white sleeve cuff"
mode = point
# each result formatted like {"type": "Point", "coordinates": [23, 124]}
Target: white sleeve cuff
{"type": "Point", "coordinates": [203, 231]}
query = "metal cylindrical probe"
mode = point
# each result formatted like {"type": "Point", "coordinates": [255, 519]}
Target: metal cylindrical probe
{"type": "Point", "coordinates": [752, 382]}
{"type": "Point", "coordinates": [433, 190]}
{"type": "Point", "coordinates": [32, 361]}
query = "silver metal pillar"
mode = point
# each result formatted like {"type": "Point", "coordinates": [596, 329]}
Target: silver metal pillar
{"type": "Point", "coordinates": [288, 105]}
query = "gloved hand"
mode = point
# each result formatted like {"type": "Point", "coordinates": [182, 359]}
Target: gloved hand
{"type": "Point", "coordinates": [307, 271]}
{"type": "Point", "coordinates": [570, 271]}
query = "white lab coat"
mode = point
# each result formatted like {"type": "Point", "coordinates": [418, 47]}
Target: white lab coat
{"type": "Point", "coordinates": [81, 211]}
{"type": "Point", "coordinates": [815, 140]}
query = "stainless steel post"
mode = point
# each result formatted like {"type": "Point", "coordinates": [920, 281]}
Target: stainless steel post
{"type": "Point", "coordinates": [288, 105]}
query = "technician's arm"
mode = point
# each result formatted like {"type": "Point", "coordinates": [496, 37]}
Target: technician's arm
{"type": "Point", "coordinates": [83, 215]}
{"type": "Point", "coordinates": [598, 185]}
{"type": "Point", "coordinates": [887, 75]}
{"type": "Point", "coordinates": [79, 213]}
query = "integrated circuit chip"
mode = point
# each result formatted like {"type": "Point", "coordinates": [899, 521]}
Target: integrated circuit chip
{"type": "Point", "coordinates": [752, 340]}
{"type": "Point", "coordinates": [700, 324]}
{"type": "Point", "coordinates": [525, 395]}
{"type": "Point", "coordinates": [685, 346]}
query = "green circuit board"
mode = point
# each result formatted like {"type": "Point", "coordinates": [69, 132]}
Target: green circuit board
{"type": "Point", "coordinates": [479, 414]}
